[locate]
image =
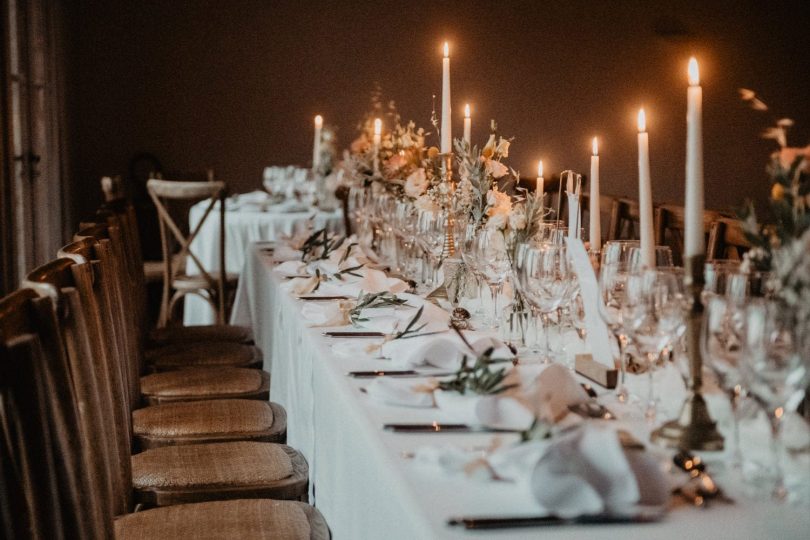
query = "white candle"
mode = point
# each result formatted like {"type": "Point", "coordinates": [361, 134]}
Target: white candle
{"type": "Point", "coordinates": [316, 144]}
{"type": "Point", "coordinates": [595, 223]}
{"type": "Point", "coordinates": [540, 187]}
{"type": "Point", "coordinates": [645, 194]}
{"type": "Point", "coordinates": [467, 124]}
{"type": "Point", "coordinates": [447, 131]}
{"type": "Point", "coordinates": [569, 182]}
{"type": "Point", "coordinates": [376, 143]}
{"type": "Point", "coordinates": [693, 218]}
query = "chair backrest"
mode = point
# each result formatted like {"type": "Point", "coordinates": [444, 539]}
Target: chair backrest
{"type": "Point", "coordinates": [48, 489]}
{"type": "Point", "coordinates": [165, 190]}
{"type": "Point", "coordinates": [624, 219]}
{"type": "Point", "coordinates": [99, 378]}
{"type": "Point", "coordinates": [726, 240]}
{"type": "Point", "coordinates": [669, 227]}
{"type": "Point", "coordinates": [605, 209]}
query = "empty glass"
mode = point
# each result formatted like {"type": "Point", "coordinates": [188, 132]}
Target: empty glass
{"type": "Point", "coordinates": [492, 262]}
{"type": "Point", "coordinates": [662, 255]}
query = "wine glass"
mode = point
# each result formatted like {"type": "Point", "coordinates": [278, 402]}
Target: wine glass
{"type": "Point", "coordinates": [492, 262]}
{"type": "Point", "coordinates": [725, 277]}
{"type": "Point", "coordinates": [545, 279]}
{"type": "Point", "coordinates": [617, 251]}
{"type": "Point", "coordinates": [721, 344]}
{"type": "Point", "coordinates": [430, 238]}
{"type": "Point", "coordinates": [653, 310]}
{"type": "Point", "coordinates": [662, 256]}
{"type": "Point", "coordinates": [775, 369]}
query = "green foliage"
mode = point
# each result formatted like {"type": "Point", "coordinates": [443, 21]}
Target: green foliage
{"type": "Point", "coordinates": [480, 377]}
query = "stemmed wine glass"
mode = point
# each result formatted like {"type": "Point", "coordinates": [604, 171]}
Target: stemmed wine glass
{"type": "Point", "coordinates": [653, 310]}
{"type": "Point", "coordinates": [430, 238]}
{"type": "Point", "coordinates": [545, 279]}
{"type": "Point", "coordinates": [662, 256]}
{"type": "Point", "coordinates": [721, 343]}
{"type": "Point", "coordinates": [775, 369]}
{"type": "Point", "coordinates": [493, 262]}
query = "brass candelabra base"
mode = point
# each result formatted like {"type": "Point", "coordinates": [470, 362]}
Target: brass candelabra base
{"type": "Point", "coordinates": [694, 429]}
{"type": "Point", "coordinates": [449, 247]}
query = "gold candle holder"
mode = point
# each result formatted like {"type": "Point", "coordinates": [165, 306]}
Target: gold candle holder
{"type": "Point", "coordinates": [449, 247]}
{"type": "Point", "coordinates": [694, 428]}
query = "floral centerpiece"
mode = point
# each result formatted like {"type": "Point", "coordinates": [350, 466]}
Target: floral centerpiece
{"type": "Point", "coordinates": [783, 247]}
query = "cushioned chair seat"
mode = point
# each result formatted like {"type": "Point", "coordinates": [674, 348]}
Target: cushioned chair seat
{"type": "Point", "coordinates": [218, 471]}
{"type": "Point", "coordinates": [208, 354]}
{"type": "Point", "coordinates": [193, 422]}
{"type": "Point", "coordinates": [242, 519]}
{"type": "Point", "coordinates": [205, 383]}
{"type": "Point", "coordinates": [193, 334]}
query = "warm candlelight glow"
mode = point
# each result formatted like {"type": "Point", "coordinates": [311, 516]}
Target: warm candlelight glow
{"type": "Point", "coordinates": [595, 147]}
{"type": "Point", "coordinates": [377, 126]}
{"type": "Point", "coordinates": [446, 50]}
{"type": "Point", "coordinates": [642, 121]}
{"type": "Point", "coordinates": [540, 169]}
{"type": "Point", "coordinates": [319, 121]}
{"type": "Point", "coordinates": [694, 74]}
{"type": "Point", "coordinates": [467, 110]}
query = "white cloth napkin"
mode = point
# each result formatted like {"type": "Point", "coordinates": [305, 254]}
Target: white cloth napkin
{"type": "Point", "coordinates": [443, 351]}
{"type": "Point", "coordinates": [402, 392]}
{"type": "Point", "coordinates": [373, 281]}
{"type": "Point", "coordinates": [552, 392]}
{"type": "Point", "coordinates": [586, 471]}
{"type": "Point", "coordinates": [284, 252]}
{"type": "Point", "coordinates": [291, 268]}
{"type": "Point", "coordinates": [325, 313]}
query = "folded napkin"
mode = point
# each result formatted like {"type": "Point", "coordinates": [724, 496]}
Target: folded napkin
{"type": "Point", "coordinates": [552, 392]}
{"type": "Point", "coordinates": [327, 313]}
{"type": "Point", "coordinates": [373, 281]}
{"type": "Point", "coordinates": [291, 268]}
{"type": "Point", "coordinates": [402, 392]}
{"type": "Point", "coordinates": [586, 471]}
{"type": "Point", "coordinates": [284, 252]}
{"type": "Point", "coordinates": [443, 351]}
{"type": "Point", "coordinates": [493, 411]}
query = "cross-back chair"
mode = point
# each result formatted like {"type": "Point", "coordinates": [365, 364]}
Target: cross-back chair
{"type": "Point", "coordinates": [206, 283]}
{"type": "Point", "coordinates": [670, 225]}
{"type": "Point", "coordinates": [44, 476]}
{"type": "Point", "coordinates": [727, 240]}
{"type": "Point", "coordinates": [624, 220]}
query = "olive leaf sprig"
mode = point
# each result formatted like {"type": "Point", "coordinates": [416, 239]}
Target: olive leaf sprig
{"type": "Point", "coordinates": [373, 300]}
{"type": "Point", "coordinates": [320, 239]}
{"type": "Point", "coordinates": [479, 378]}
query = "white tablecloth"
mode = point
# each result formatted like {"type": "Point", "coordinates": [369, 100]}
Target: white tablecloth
{"type": "Point", "coordinates": [242, 227]}
{"type": "Point", "coordinates": [366, 488]}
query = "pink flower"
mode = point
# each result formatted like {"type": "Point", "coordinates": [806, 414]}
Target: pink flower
{"type": "Point", "coordinates": [495, 168]}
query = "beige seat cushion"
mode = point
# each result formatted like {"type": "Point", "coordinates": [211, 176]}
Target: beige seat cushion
{"type": "Point", "coordinates": [196, 466]}
{"type": "Point", "coordinates": [198, 418]}
{"type": "Point", "coordinates": [194, 334]}
{"type": "Point", "coordinates": [241, 519]}
{"type": "Point", "coordinates": [203, 354]}
{"type": "Point", "coordinates": [216, 381]}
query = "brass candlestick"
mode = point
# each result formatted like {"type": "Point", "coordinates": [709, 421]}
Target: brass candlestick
{"type": "Point", "coordinates": [447, 189]}
{"type": "Point", "coordinates": [694, 428]}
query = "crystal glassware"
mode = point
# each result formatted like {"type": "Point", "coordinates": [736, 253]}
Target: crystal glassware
{"type": "Point", "coordinates": [492, 261]}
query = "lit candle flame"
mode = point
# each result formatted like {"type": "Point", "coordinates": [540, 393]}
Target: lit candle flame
{"type": "Point", "coordinates": [540, 169]}
{"type": "Point", "coordinates": [642, 121]}
{"type": "Point", "coordinates": [446, 50]}
{"type": "Point", "coordinates": [694, 74]}
{"type": "Point", "coordinates": [377, 126]}
{"type": "Point", "coordinates": [467, 110]}
{"type": "Point", "coordinates": [318, 121]}
{"type": "Point", "coordinates": [595, 147]}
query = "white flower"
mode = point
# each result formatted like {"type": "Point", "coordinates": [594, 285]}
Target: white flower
{"type": "Point", "coordinates": [499, 207]}
{"type": "Point", "coordinates": [497, 221]}
{"type": "Point", "coordinates": [489, 148]}
{"type": "Point", "coordinates": [503, 148]}
{"type": "Point", "coordinates": [416, 184]}
{"type": "Point", "coordinates": [517, 219]}
{"type": "Point", "coordinates": [425, 203]}
{"type": "Point", "coordinates": [495, 168]}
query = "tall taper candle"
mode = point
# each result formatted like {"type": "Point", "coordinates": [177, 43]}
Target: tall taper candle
{"type": "Point", "coordinates": [540, 187]}
{"type": "Point", "coordinates": [595, 223]}
{"type": "Point", "coordinates": [694, 243]}
{"type": "Point", "coordinates": [447, 130]}
{"type": "Point", "coordinates": [316, 144]}
{"type": "Point", "coordinates": [645, 194]}
{"type": "Point", "coordinates": [376, 143]}
{"type": "Point", "coordinates": [467, 124]}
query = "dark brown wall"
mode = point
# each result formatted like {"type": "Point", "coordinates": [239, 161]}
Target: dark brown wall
{"type": "Point", "coordinates": [235, 84]}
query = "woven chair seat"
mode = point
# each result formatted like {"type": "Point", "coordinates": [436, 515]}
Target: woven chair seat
{"type": "Point", "coordinates": [208, 354]}
{"type": "Point", "coordinates": [218, 471]}
{"type": "Point", "coordinates": [192, 334]}
{"type": "Point", "coordinates": [193, 422]}
{"type": "Point", "coordinates": [225, 520]}
{"type": "Point", "coordinates": [242, 519]}
{"type": "Point", "coordinates": [205, 383]}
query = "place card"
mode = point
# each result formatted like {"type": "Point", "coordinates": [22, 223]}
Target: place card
{"type": "Point", "coordinates": [596, 371]}
{"type": "Point", "coordinates": [597, 335]}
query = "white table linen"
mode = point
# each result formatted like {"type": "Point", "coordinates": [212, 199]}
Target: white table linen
{"type": "Point", "coordinates": [244, 225]}
{"type": "Point", "coordinates": [361, 478]}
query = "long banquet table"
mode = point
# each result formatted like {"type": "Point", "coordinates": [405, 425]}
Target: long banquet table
{"type": "Point", "coordinates": [361, 479]}
{"type": "Point", "coordinates": [243, 226]}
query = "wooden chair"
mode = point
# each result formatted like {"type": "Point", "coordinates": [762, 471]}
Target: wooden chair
{"type": "Point", "coordinates": [624, 219]}
{"type": "Point", "coordinates": [669, 227]}
{"type": "Point", "coordinates": [605, 210]}
{"type": "Point", "coordinates": [38, 499]}
{"type": "Point", "coordinates": [726, 240]}
{"type": "Point", "coordinates": [208, 284]}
